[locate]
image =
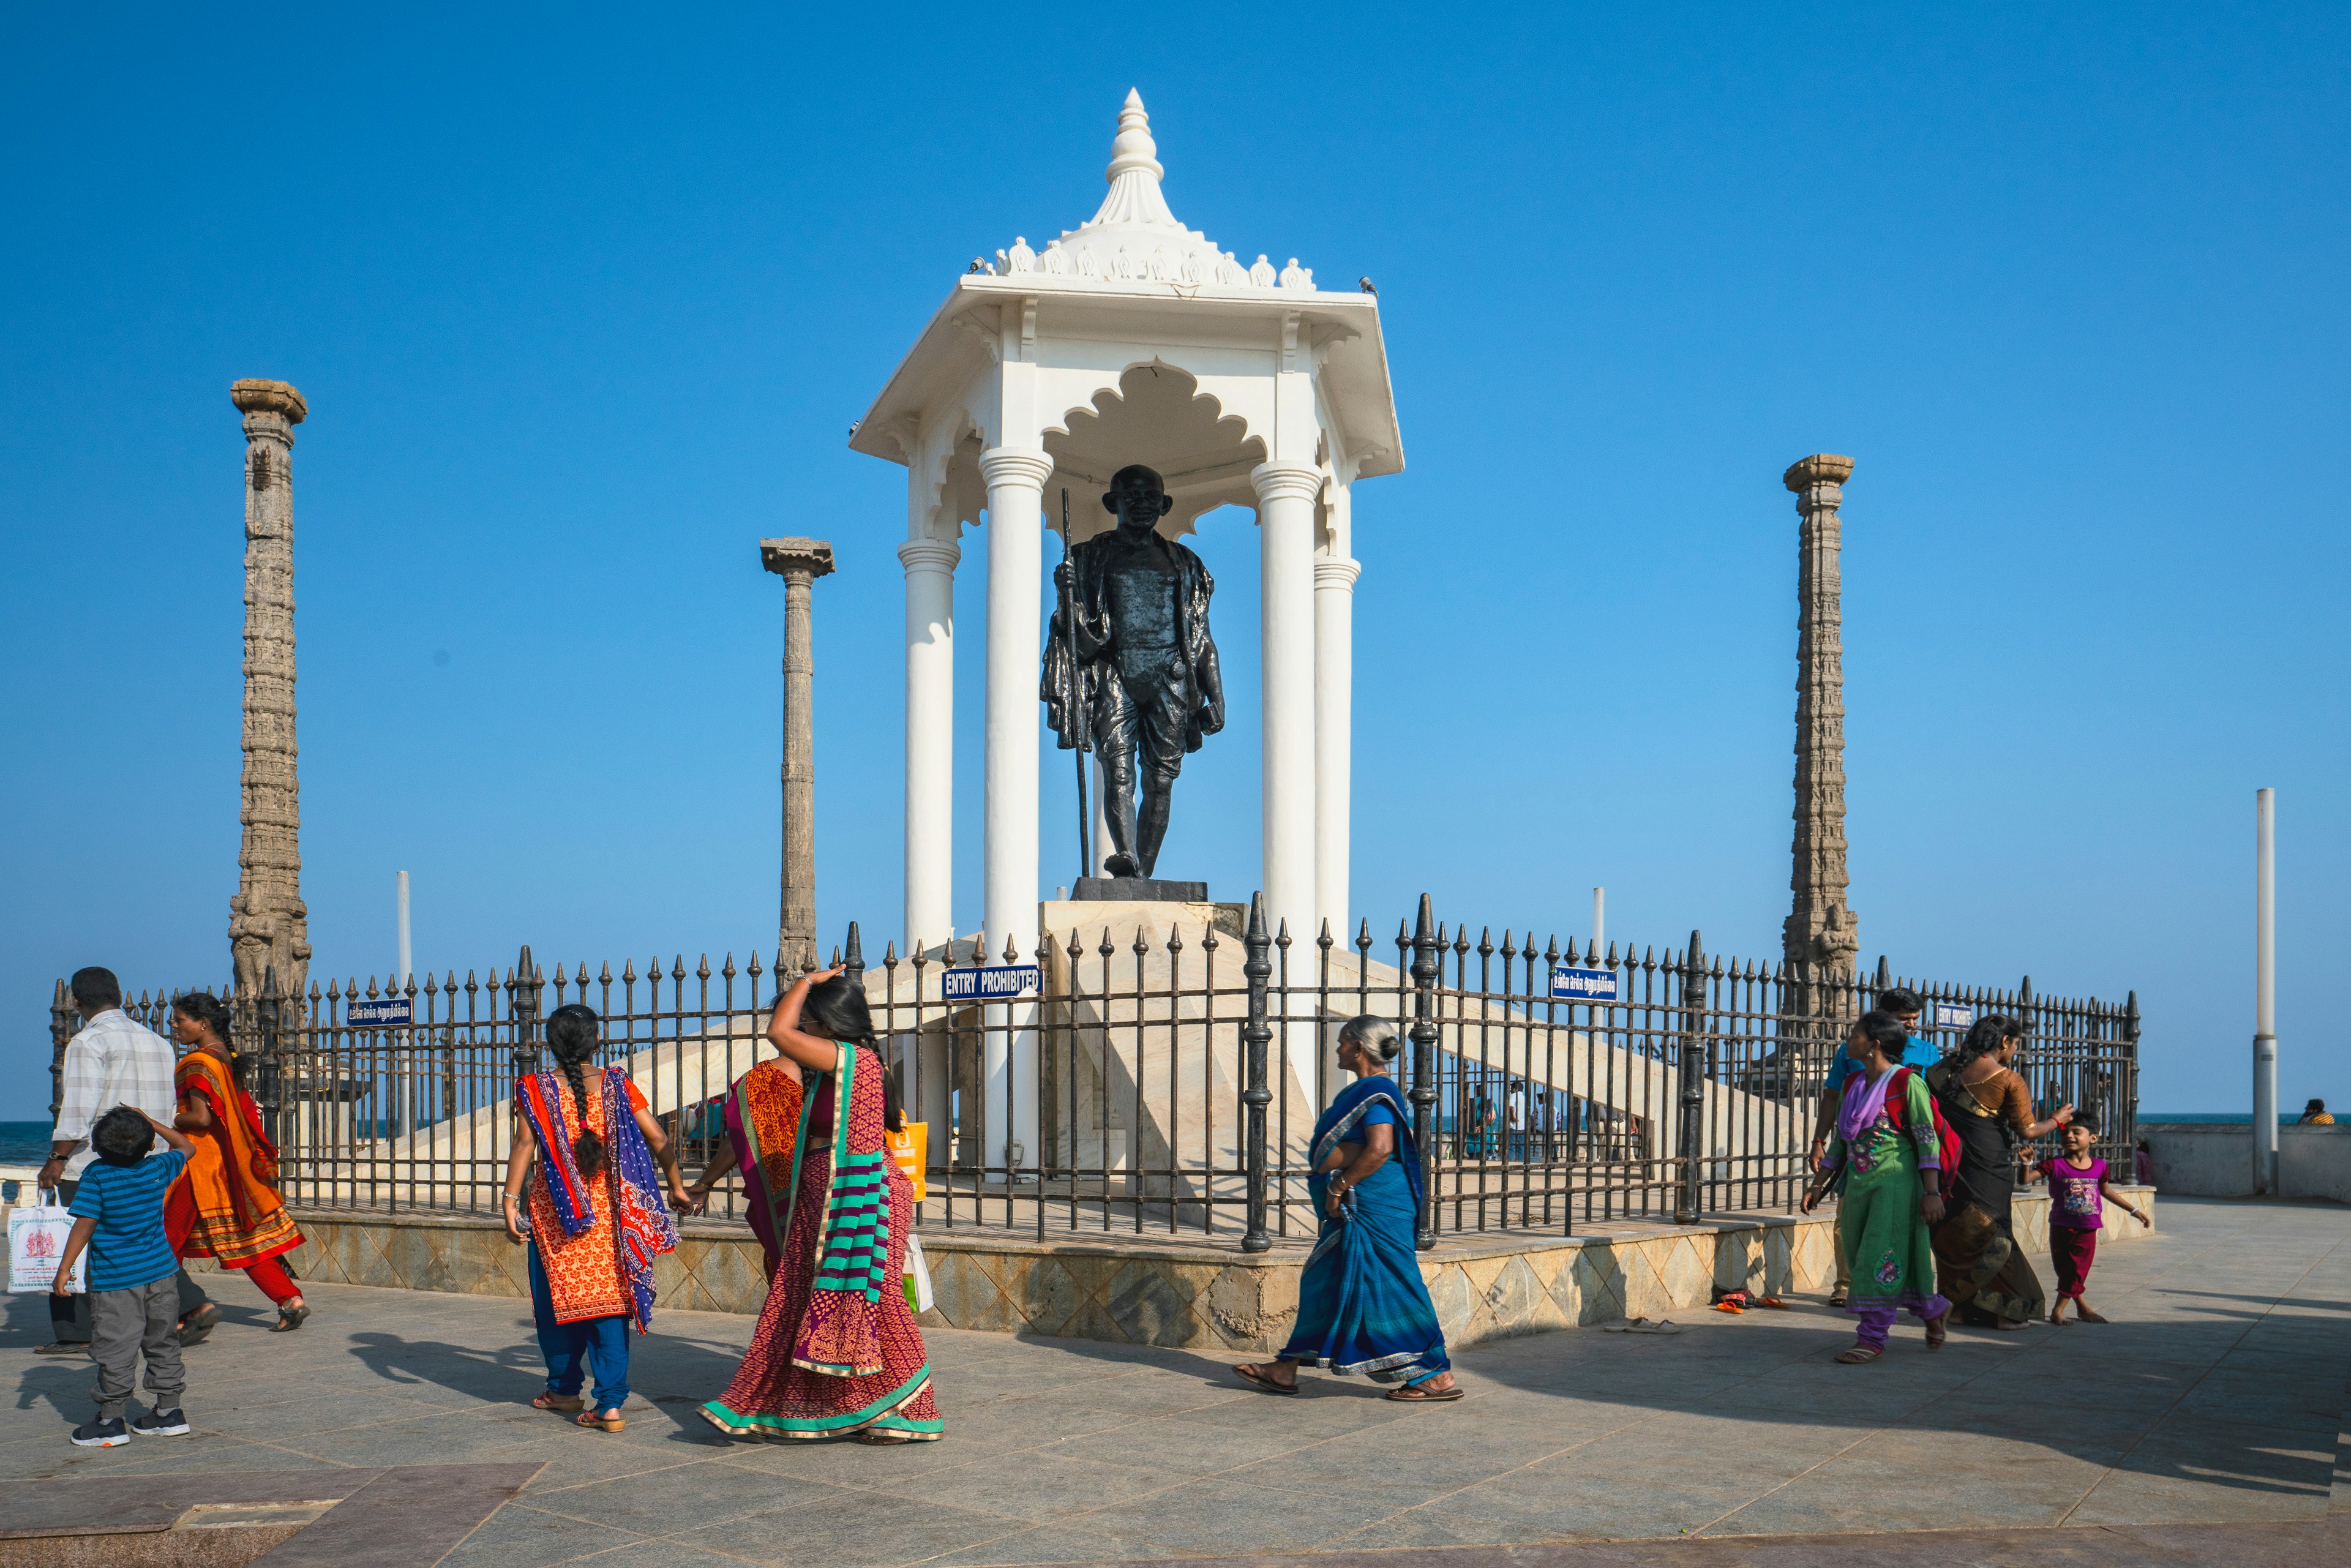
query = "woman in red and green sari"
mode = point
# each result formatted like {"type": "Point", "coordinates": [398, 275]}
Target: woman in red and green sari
{"type": "Point", "coordinates": [836, 1352]}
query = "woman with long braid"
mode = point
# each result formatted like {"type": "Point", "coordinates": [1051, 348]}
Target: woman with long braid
{"type": "Point", "coordinates": [596, 1219]}
{"type": "Point", "coordinates": [836, 1352]}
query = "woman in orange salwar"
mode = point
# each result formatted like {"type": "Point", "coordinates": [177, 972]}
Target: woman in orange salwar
{"type": "Point", "coordinates": [225, 1206]}
{"type": "Point", "coordinates": [837, 1354]}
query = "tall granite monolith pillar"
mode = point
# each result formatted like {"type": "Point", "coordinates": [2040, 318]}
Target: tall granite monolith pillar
{"type": "Point", "coordinates": [268, 927]}
{"type": "Point", "coordinates": [1821, 930]}
{"type": "Point", "coordinates": [800, 562]}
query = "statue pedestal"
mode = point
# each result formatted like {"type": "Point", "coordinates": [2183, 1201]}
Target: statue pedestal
{"type": "Point", "coordinates": [1138, 889]}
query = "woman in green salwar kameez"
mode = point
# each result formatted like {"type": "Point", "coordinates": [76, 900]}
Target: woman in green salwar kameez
{"type": "Point", "coordinates": [1887, 1150]}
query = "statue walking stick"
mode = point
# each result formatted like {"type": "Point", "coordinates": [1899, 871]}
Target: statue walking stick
{"type": "Point", "coordinates": [1070, 630]}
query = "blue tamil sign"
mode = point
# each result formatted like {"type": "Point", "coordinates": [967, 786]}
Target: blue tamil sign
{"type": "Point", "coordinates": [995, 984]}
{"type": "Point", "coordinates": [1952, 1015]}
{"type": "Point", "coordinates": [387, 1010]}
{"type": "Point", "coordinates": [1583, 985]}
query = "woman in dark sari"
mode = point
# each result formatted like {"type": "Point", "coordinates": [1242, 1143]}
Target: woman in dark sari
{"type": "Point", "coordinates": [1983, 1272]}
{"type": "Point", "coordinates": [761, 1114]}
{"type": "Point", "coordinates": [1362, 1303]}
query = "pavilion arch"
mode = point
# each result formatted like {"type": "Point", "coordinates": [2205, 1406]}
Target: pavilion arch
{"type": "Point", "coordinates": [1155, 414]}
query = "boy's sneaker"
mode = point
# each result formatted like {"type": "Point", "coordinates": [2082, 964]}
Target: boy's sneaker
{"type": "Point", "coordinates": [171, 1422]}
{"type": "Point", "coordinates": [98, 1434]}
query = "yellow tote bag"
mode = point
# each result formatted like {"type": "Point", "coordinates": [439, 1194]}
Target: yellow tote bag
{"type": "Point", "coordinates": [911, 1147]}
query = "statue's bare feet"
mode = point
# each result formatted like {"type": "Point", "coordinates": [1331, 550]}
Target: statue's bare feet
{"type": "Point", "coordinates": [1120, 865]}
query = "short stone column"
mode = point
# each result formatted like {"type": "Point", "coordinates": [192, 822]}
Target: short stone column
{"type": "Point", "coordinates": [1821, 929]}
{"type": "Point", "coordinates": [800, 562]}
{"type": "Point", "coordinates": [930, 739]}
{"type": "Point", "coordinates": [268, 925]}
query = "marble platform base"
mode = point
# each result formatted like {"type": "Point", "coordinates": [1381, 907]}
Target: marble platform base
{"type": "Point", "coordinates": [1138, 889]}
{"type": "Point", "coordinates": [1181, 1292]}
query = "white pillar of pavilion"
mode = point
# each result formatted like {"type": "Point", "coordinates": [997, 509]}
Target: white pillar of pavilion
{"type": "Point", "coordinates": [1131, 338]}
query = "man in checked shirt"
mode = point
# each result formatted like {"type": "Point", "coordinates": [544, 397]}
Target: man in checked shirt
{"type": "Point", "coordinates": [111, 1061]}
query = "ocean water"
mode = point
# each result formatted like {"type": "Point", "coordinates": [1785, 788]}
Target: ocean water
{"type": "Point", "coordinates": [24, 1143]}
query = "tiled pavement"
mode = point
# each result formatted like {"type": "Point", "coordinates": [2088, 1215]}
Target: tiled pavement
{"type": "Point", "coordinates": [2215, 1396]}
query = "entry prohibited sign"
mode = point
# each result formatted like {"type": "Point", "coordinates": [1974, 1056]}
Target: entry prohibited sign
{"type": "Point", "coordinates": [1582, 985]}
{"type": "Point", "coordinates": [387, 1010]}
{"type": "Point", "coordinates": [1952, 1015]}
{"type": "Point", "coordinates": [995, 984]}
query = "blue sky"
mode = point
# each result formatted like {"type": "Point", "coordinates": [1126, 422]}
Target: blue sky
{"type": "Point", "coordinates": [584, 302]}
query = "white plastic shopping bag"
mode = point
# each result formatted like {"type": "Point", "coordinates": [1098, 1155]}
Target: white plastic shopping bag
{"type": "Point", "coordinates": [918, 1275]}
{"type": "Point", "coordinates": [36, 1239]}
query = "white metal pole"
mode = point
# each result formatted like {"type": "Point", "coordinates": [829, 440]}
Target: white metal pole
{"type": "Point", "coordinates": [404, 969]}
{"type": "Point", "coordinates": [1600, 918]}
{"type": "Point", "coordinates": [2265, 1102]}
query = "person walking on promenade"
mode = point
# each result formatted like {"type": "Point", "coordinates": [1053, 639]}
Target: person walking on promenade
{"type": "Point", "coordinates": [1886, 1145]}
{"type": "Point", "coordinates": [226, 1205]}
{"type": "Point", "coordinates": [597, 1220]}
{"type": "Point", "coordinates": [836, 1352]}
{"type": "Point", "coordinates": [2079, 1189]}
{"type": "Point", "coordinates": [111, 1061]}
{"type": "Point", "coordinates": [1362, 1305]}
{"type": "Point", "coordinates": [761, 1114]}
{"type": "Point", "coordinates": [1988, 1278]}
{"type": "Point", "coordinates": [1916, 1051]}
{"type": "Point", "coordinates": [135, 1305]}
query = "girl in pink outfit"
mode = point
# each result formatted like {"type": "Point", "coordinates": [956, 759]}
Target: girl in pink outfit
{"type": "Point", "coordinates": [2079, 1188]}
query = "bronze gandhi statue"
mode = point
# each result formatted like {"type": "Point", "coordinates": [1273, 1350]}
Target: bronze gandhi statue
{"type": "Point", "coordinates": [1130, 669]}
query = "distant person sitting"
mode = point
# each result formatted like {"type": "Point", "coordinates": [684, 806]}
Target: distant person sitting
{"type": "Point", "coordinates": [1916, 1053]}
{"type": "Point", "coordinates": [134, 1307]}
{"type": "Point", "coordinates": [111, 1061]}
{"type": "Point", "coordinates": [2314, 1114]}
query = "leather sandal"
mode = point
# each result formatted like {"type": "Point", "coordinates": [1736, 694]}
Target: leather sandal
{"type": "Point", "coordinates": [1858, 1355]}
{"type": "Point", "coordinates": [609, 1421]}
{"type": "Point", "coordinates": [551, 1400]}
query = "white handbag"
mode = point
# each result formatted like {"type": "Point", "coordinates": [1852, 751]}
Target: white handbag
{"type": "Point", "coordinates": [918, 1275]}
{"type": "Point", "coordinates": [36, 1239]}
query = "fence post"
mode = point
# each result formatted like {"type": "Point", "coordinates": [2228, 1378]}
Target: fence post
{"type": "Point", "coordinates": [526, 1015]}
{"type": "Point", "coordinates": [2128, 1092]}
{"type": "Point", "coordinates": [1257, 965]}
{"type": "Point", "coordinates": [1692, 1138]}
{"type": "Point", "coordinates": [1424, 1067]}
{"type": "Point", "coordinates": [61, 1029]}
{"type": "Point", "coordinates": [269, 1017]}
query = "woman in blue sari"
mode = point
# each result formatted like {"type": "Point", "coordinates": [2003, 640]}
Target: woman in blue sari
{"type": "Point", "coordinates": [1362, 1303]}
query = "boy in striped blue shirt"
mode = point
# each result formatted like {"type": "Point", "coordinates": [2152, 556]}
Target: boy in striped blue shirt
{"type": "Point", "coordinates": [134, 1294]}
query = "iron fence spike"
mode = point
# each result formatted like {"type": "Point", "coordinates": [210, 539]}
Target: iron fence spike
{"type": "Point", "coordinates": [701, 970]}
{"type": "Point", "coordinates": [1175, 943]}
{"type": "Point", "coordinates": [856, 955]}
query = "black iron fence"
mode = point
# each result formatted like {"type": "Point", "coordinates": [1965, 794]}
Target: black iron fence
{"type": "Point", "coordinates": [1130, 1080]}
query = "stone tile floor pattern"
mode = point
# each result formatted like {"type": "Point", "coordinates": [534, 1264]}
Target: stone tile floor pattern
{"type": "Point", "coordinates": [2216, 1395]}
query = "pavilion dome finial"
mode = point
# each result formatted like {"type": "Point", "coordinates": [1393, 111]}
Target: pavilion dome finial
{"type": "Point", "coordinates": [1135, 237]}
{"type": "Point", "coordinates": [1134, 171]}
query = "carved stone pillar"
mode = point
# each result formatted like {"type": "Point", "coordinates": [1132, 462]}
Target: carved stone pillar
{"type": "Point", "coordinates": [799, 562]}
{"type": "Point", "coordinates": [268, 927]}
{"type": "Point", "coordinates": [1821, 930]}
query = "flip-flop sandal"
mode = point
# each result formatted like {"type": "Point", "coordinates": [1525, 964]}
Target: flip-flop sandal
{"type": "Point", "coordinates": [1836, 1297]}
{"type": "Point", "coordinates": [290, 1319]}
{"type": "Point", "coordinates": [199, 1323]}
{"type": "Point", "coordinates": [1774, 1302]}
{"type": "Point", "coordinates": [1937, 1331]}
{"type": "Point", "coordinates": [606, 1422]}
{"type": "Point", "coordinates": [1409, 1394]}
{"type": "Point", "coordinates": [882, 1439]}
{"type": "Point", "coordinates": [550, 1400]}
{"type": "Point", "coordinates": [1858, 1355]}
{"type": "Point", "coordinates": [1257, 1380]}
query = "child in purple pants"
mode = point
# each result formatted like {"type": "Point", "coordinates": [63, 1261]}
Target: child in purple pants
{"type": "Point", "coordinates": [2079, 1188]}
